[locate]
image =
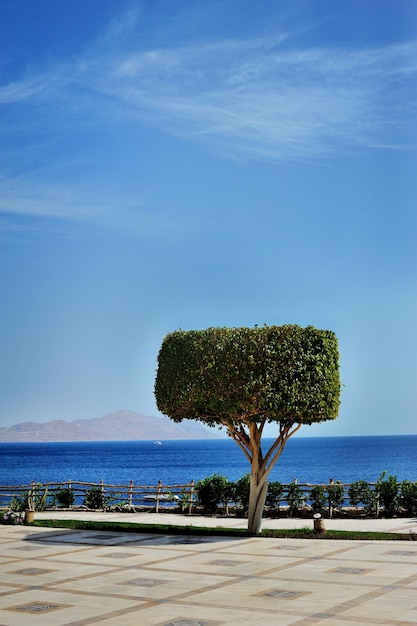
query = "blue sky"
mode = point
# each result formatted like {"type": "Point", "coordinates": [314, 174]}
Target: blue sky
{"type": "Point", "coordinates": [183, 164]}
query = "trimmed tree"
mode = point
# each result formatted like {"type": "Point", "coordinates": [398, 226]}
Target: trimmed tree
{"type": "Point", "coordinates": [244, 378]}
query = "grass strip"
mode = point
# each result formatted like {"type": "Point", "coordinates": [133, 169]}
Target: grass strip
{"type": "Point", "coordinates": [166, 529]}
{"type": "Point", "coordinates": [130, 527]}
{"type": "Point", "coordinates": [347, 535]}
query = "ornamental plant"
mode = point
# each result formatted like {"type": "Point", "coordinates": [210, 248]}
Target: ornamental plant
{"type": "Point", "coordinates": [241, 379]}
{"type": "Point", "coordinates": [35, 499]}
{"type": "Point", "coordinates": [212, 491]}
{"type": "Point", "coordinates": [274, 496]}
{"type": "Point", "coordinates": [408, 497]}
{"type": "Point", "coordinates": [318, 499]}
{"type": "Point", "coordinates": [295, 498]}
{"type": "Point", "coordinates": [389, 495]}
{"type": "Point", "coordinates": [95, 499]}
{"type": "Point", "coordinates": [11, 517]}
{"type": "Point", "coordinates": [359, 492]}
{"type": "Point", "coordinates": [335, 496]}
{"type": "Point", "coordinates": [64, 497]}
{"type": "Point", "coordinates": [242, 490]}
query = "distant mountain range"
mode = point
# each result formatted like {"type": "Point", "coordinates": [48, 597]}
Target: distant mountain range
{"type": "Point", "coordinates": [118, 426]}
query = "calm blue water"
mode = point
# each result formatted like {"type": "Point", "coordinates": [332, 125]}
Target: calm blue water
{"type": "Point", "coordinates": [313, 460]}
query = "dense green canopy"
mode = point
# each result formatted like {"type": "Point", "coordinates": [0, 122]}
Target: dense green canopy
{"type": "Point", "coordinates": [287, 374]}
{"type": "Point", "coordinates": [243, 378]}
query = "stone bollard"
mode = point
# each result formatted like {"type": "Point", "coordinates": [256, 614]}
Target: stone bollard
{"type": "Point", "coordinates": [319, 526]}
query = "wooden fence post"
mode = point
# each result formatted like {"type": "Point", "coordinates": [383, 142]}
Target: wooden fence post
{"type": "Point", "coordinates": [70, 489]}
{"type": "Point", "coordinates": [130, 494]}
{"type": "Point", "coordinates": [102, 491]}
{"type": "Point", "coordinates": [158, 491]}
{"type": "Point", "coordinates": [190, 503]}
{"type": "Point", "coordinates": [331, 482]}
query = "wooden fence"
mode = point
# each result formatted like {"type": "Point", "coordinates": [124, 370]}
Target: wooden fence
{"type": "Point", "coordinates": [125, 497]}
{"type": "Point", "coordinates": [132, 497]}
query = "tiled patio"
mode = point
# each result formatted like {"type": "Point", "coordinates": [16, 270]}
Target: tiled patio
{"type": "Point", "coordinates": [65, 577]}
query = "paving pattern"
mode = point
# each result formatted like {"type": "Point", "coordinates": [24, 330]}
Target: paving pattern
{"type": "Point", "coordinates": [52, 577]}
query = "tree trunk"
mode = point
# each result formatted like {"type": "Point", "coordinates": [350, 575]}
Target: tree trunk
{"type": "Point", "coordinates": [250, 443]}
{"type": "Point", "coordinates": [257, 495]}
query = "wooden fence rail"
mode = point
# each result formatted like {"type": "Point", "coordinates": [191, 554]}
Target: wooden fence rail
{"type": "Point", "coordinates": [131, 496]}
{"type": "Point", "coordinates": [126, 497]}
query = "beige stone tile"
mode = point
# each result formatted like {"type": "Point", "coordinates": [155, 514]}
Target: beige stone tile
{"type": "Point", "coordinates": [274, 594]}
{"type": "Point", "coordinates": [250, 601]}
{"type": "Point", "coordinates": [383, 608]}
{"type": "Point", "coordinates": [410, 616]}
{"type": "Point", "coordinates": [401, 594]}
{"type": "Point", "coordinates": [6, 560]}
{"type": "Point", "coordinates": [340, 621]}
{"type": "Point", "coordinates": [368, 572]}
{"type": "Point", "coordinates": [4, 588]}
{"type": "Point", "coordinates": [164, 614]}
{"type": "Point", "coordinates": [209, 581]}
{"type": "Point", "coordinates": [74, 607]}
{"type": "Point", "coordinates": [295, 548]}
{"type": "Point", "coordinates": [101, 556]}
{"type": "Point", "coordinates": [380, 550]}
{"type": "Point", "coordinates": [26, 572]}
{"type": "Point", "coordinates": [212, 562]}
{"type": "Point", "coordinates": [42, 550]}
{"type": "Point", "coordinates": [265, 619]}
{"type": "Point", "coordinates": [145, 584]}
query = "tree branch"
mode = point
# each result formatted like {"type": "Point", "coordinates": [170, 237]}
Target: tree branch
{"type": "Point", "coordinates": [277, 448]}
{"type": "Point", "coordinates": [237, 436]}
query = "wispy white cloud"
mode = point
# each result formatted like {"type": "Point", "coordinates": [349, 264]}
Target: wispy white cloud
{"type": "Point", "coordinates": [259, 101]}
{"type": "Point", "coordinates": [23, 201]}
{"type": "Point", "coordinates": [21, 91]}
{"type": "Point", "coordinates": [256, 98]}
{"type": "Point", "coordinates": [261, 98]}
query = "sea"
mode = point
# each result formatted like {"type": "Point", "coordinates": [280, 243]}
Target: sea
{"type": "Point", "coordinates": [312, 460]}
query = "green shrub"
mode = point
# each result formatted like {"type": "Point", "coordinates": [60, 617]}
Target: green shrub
{"type": "Point", "coordinates": [359, 492]}
{"type": "Point", "coordinates": [64, 497]}
{"type": "Point", "coordinates": [18, 504]}
{"type": "Point", "coordinates": [372, 498]}
{"type": "Point", "coordinates": [274, 495]}
{"type": "Point", "coordinates": [229, 495]}
{"type": "Point", "coordinates": [242, 488]}
{"type": "Point", "coordinates": [36, 499]}
{"type": "Point", "coordinates": [318, 499]}
{"type": "Point", "coordinates": [335, 496]}
{"type": "Point", "coordinates": [95, 499]}
{"type": "Point", "coordinates": [212, 491]}
{"type": "Point", "coordinates": [408, 497]}
{"type": "Point", "coordinates": [389, 497]}
{"type": "Point", "coordinates": [295, 498]}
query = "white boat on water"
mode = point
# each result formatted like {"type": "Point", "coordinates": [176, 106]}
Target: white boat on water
{"type": "Point", "coordinates": [164, 497]}
{"type": "Point", "coordinates": [158, 443]}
